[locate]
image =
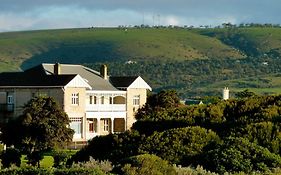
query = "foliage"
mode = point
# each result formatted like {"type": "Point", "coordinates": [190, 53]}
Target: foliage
{"type": "Point", "coordinates": [105, 166]}
{"type": "Point", "coordinates": [238, 154]}
{"type": "Point", "coordinates": [43, 125]}
{"type": "Point", "coordinates": [60, 158]}
{"type": "Point", "coordinates": [158, 102]}
{"type": "Point", "coordinates": [244, 94]}
{"type": "Point", "coordinates": [42, 171]}
{"type": "Point", "coordinates": [146, 164]}
{"type": "Point", "coordinates": [10, 157]}
{"type": "Point", "coordinates": [199, 170]}
{"type": "Point", "coordinates": [112, 147]}
{"type": "Point", "coordinates": [181, 145]}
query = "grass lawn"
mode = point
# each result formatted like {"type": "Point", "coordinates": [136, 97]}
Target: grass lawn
{"type": "Point", "coordinates": [47, 162]}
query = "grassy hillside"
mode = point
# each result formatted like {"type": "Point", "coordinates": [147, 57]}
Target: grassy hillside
{"type": "Point", "coordinates": [196, 62]}
{"type": "Point", "coordinates": [90, 45]}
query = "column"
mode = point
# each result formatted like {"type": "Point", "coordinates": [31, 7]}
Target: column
{"type": "Point", "coordinates": [98, 126]}
{"type": "Point", "coordinates": [112, 125]}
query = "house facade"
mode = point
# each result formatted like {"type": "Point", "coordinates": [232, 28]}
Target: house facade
{"type": "Point", "coordinates": [96, 103]}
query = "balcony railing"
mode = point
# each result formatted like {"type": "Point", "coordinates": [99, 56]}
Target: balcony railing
{"type": "Point", "coordinates": [106, 108]}
{"type": "Point", "coordinates": [6, 107]}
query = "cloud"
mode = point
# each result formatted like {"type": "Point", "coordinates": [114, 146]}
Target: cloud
{"type": "Point", "coordinates": [41, 14]}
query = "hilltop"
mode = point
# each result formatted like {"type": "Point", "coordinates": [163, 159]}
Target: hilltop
{"type": "Point", "coordinates": [196, 62]}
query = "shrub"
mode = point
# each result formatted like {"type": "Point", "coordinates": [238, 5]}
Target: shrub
{"type": "Point", "coordinates": [238, 154]}
{"type": "Point", "coordinates": [9, 157]}
{"type": "Point", "coordinates": [60, 158]}
{"type": "Point", "coordinates": [199, 170]}
{"type": "Point", "coordinates": [105, 166]}
{"type": "Point", "coordinates": [180, 146]}
{"type": "Point", "coordinates": [146, 164]}
{"type": "Point", "coordinates": [112, 147]}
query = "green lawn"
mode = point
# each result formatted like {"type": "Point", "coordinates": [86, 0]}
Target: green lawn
{"type": "Point", "coordinates": [47, 161]}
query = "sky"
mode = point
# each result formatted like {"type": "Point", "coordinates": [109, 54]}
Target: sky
{"type": "Point", "coordinates": [19, 15]}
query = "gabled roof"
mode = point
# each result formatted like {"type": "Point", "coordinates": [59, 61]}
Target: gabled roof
{"type": "Point", "coordinates": [129, 82]}
{"type": "Point", "coordinates": [92, 77]}
{"type": "Point", "coordinates": [122, 82]}
{"type": "Point", "coordinates": [21, 79]}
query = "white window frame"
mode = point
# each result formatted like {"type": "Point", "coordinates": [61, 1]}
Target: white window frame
{"type": "Point", "coordinates": [136, 100]}
{"type": "Point", "coordinates": [76, 121]}
{"type": "Point", "coordinates": [75, 98]}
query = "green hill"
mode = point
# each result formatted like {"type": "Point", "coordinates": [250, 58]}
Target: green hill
{"type": "Point", "coordinates": [196, 62]}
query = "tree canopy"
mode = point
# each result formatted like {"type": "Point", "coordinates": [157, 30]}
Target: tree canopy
{"type": "Point", "coordinates": [42, 126]}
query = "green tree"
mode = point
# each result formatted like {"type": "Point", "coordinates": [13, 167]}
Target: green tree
{"type": "Point", "coordinates": [244, 94]}
{"type": "Point", "coordinates": [239, 154]}
{"type": "Point", "coordinates": [181, 145]}
{"type": "Point", "coordinates": [158, 102]}
{"type": "Point", "coordinates": [42, 126]}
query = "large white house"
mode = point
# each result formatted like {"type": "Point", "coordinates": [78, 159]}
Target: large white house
{"type": "Point", "coordinates": [97, 104]}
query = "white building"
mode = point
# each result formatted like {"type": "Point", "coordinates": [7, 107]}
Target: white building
{"type": "Point", "coordinates": [97, 104]}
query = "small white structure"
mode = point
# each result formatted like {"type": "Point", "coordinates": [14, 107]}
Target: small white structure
{"type": "Point", "coordinates": [225, 93]}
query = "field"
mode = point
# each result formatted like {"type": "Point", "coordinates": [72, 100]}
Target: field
{"type": "Point", "coordinates": [187, 60]}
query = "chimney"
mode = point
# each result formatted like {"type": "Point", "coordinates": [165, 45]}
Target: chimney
{"type": "Point", "coordinates": [57, 69]}
{"type": "Point", "coordinates": [103, 71]}
{"type": "Point", "coordinates": [225, 93]}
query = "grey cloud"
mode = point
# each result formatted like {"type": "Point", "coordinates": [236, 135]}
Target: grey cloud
{"type": "Point", "coordinates": [187, 11]}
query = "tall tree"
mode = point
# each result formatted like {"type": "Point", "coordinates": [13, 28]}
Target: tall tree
{"type": "Point", "coordinates": [42, 126]}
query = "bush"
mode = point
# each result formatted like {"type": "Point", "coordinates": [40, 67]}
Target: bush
{"type": "Point", "coordinates": [9, 157]}
{"type": "Point", "coordinates": [42, 171]}
{"type": "Point", "coordinates": [238, 154]}
{"type": "Point", "coordinates": [60, 158]}
{"type": "Point", "coordinates": [146, 164]}
{"type": "Point", "coordinates": [199, 170]}
{"type": "Point", "coordinates": [180, 146]}
{"type": "Point", "coordinates": [112, 147]}
{"type": "Point", "coordinates": [105, 166]}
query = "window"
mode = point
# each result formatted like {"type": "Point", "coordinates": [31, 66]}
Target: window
{"type": "Point", "coordinates": [102, 100]}
{"type": "Point", "coordinates": [91, 99]}
{"type": "Point", "coordinates": [91, 125]}
{"type": "Point", "coordinates": [10, 99]}
{"type": "Point", "coordinates": [110, 100]}
{"type": "Point", "coordinates": [76, 125]}
{"type": "Point", "coordinates": [95, 99]}
{"type": "Point", "coordinates": [75, 99]}
{"type": "Point", "coordinates": [105, 125]}
{"type": "Point", "coordinates": [136, 100]}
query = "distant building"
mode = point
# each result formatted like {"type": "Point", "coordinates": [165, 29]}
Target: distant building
{"type": "Point", "coordinates": [97, 104]}
{"type": "Point", "coordinates": [225, 93]}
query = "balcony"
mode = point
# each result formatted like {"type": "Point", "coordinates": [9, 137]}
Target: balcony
{"type": "Point", "coordinates": [6, 107]}
{"type": "Point", "coordinates": [106, 108]}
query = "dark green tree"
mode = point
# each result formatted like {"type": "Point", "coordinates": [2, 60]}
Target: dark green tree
{"type": "Point", "coordinates": [157, 102]}
{"type": "Point", "coordinates": [181, 145]}
{"type": "Point", "coordinates": [239, 154]}
{"type": "Point", "coordinates": [244, 94]}
{"type": "Point", "coordinates": [42, 126]}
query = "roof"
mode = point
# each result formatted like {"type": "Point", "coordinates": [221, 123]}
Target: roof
{"type": "Point", "coordinates": [92, 77]}
{"type": "Point", "coordinates": [122, 82]}
{"type": "Point", "coordinates": [24, 79]}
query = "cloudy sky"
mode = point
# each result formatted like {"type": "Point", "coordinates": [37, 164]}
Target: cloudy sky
{"type": "Point", "coordinates": [49, 14]}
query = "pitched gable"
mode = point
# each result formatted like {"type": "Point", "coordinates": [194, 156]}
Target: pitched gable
{"type": "Point", "coordinates": [139, 83]}
{"type": "Point", "coordinates": [78, 81]}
